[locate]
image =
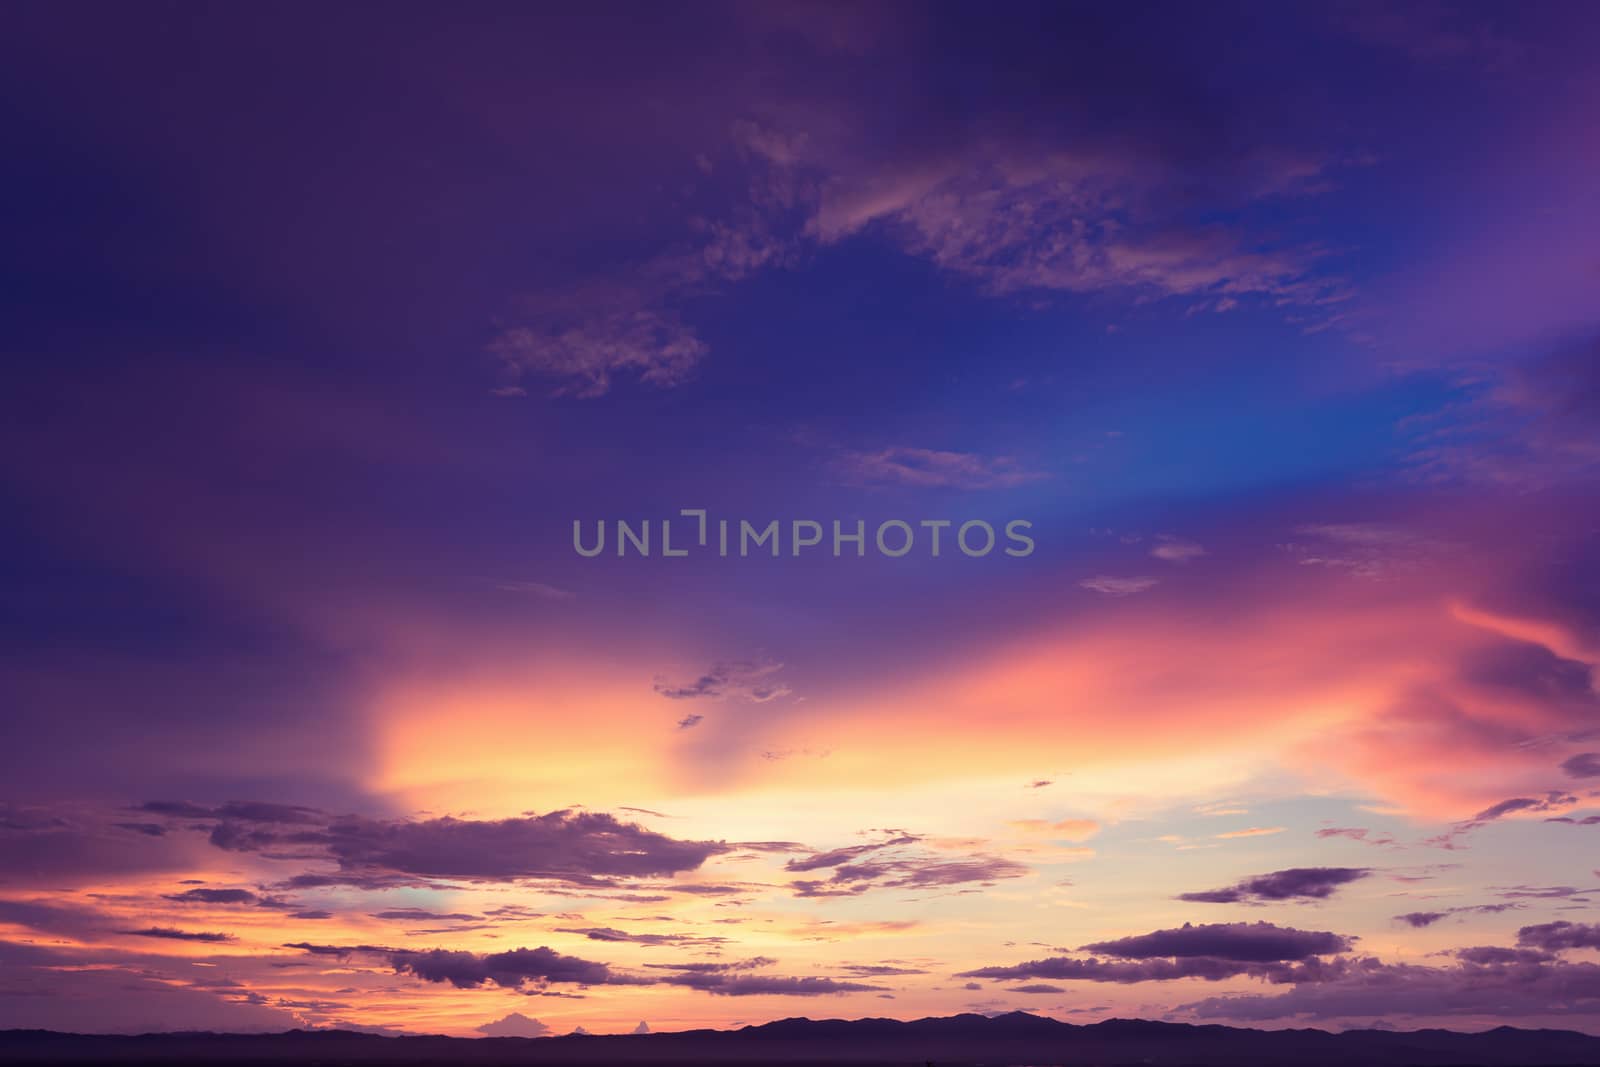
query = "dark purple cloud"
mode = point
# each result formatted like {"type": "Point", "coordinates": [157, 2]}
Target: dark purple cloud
{"type": "Point", "coordinates": [754, 963]}
{"type": "Point", "coordinates": [561, 845]}
{"type": "Point", "coordinates": [411, 915]}
{"type": "Point", "coordinates": [1559, 936]}
{"type": "Point", "coordinates": [170, 934]}
{"type": "Point", "coordinates": [213, 896]}
{"type": "Point", "coordinates": [1552, 801]}
{"type": "Point", "coordinates": [1583, 765]}
{"type": "Point", "coordinates": [751, 985]}
{"type": "Point", "coordinates": [341, 952]}
{"type": "Point", "coordinates": [81, 991]}
{"type": "Point", "coordinates": [606, 933]}
{"type": "Point", "coordinates": [1486, 982]}
{"type": "Point", "coordinates": [531, 970]}
{"type": "Point", "coordinates": [583, 847]}
{"type": "Point", "coordinates": [839, 856]}
{"type": "Point", "coordinates": [1208, 968]}
{"type": "Point", "coordinates": [1496, 955]}
{"type": "Point", "coordinates": [1543, 892]}
{"type": "Point", "coordinates": [508, 970]}
{"type": "Point", "coordinates": [53, 852]}
{"type": "Point", "coordinates": [1211, 952]}
{"type": "Point", "coordinates": [747, 681]}
{"type": "Point", "coordinates": [1259, 942]}
{"type": "Point", "coordinates": [860, 868]}
{"type": "Point", "coordinates": [1419, 919]}
{"type": "Point", "coordinates": [245, 811]}
{"type": "Point", "coordinates": [878, 970]}
{"type": "Point", "coordinates": [1510, 807]}
{"type": "Point", "coordinates": [1295, 883]}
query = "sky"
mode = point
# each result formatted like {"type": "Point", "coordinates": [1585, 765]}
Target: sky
{"type": "Point", "coordinates": [1272, 328]}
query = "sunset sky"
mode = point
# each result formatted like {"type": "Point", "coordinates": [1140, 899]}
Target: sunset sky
{"type": "Point", "coordinates": [1280, 324]}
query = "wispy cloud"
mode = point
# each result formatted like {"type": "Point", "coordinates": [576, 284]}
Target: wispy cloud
{"type": "Point", "coordinates": [742, 680]}
{"type": "Point", "coordinates": [1176, 549]}
{"type": "Point", "coordinates": [933, 469]}
{"type": "Point", "coordinates": [1113, 586]}
{"type": "Point", "coordinates": [539, 590]}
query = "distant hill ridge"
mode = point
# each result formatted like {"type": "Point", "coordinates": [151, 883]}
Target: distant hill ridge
{"type": "Point", "coordinates": [951, 1041]}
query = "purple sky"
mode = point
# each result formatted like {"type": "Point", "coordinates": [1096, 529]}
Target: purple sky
{"type": "Point", "coordinates": [1275, 323]}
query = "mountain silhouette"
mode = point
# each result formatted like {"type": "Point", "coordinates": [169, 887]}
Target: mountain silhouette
{"type": "Point", "coordinates": [955, 1041]}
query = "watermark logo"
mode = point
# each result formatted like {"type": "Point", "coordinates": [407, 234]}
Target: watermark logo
{"type": "Point", "coordinates": [694, 532]}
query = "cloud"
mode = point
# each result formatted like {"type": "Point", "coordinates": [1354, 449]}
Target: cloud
{"type": "Point", "coordinates": [874, 970]}
{"type": "Point", "coordinates": [752, 985]}
{"type": "Point", "coordinates": [1527, 425]}
{"type": "Point", "coordinates": [244, 811]}
{"type": "Point", "coordinates": [754, 963]}
{"type": "Point", "coordinates": [1509, 807]}
{"type": "Point", "coordinates": [170, 934]}
{"type": "Point", "coordinates": [212, 896]}
{"type": "Point", "coordinates": [1559, 936]}
{"type": "Point", "coordinates": [563, 844]}
{"type": "Point", "coordinates": [583, 847]}
{"type": "Point", "coordinates": [1554, 800]}
{"type": "Point", "coordinates": [1549, 892]}
{"type": "Point", "coordinates": [1501, 983]}
{"type": "Point", "coordinates": [515, 1025]}
{"type": "Point", "coordinates": [1016, 217]}
{"type": "Point", "coordinates": [1419, 919]}
{"type": "Point", "coordinates": [1211, 952]}
{"type": "Point", "coordinates": [893, 864]}
{"type": "Point", "coordinates": [930, 469]}
{"type": "Point", "coordinates": [1295, 883]}
{"type": "Point", "coordinates": [1358, 833]}
{"type": "Point", "coordinates": [1206, 968]}
{"type": "Point", "coordinates": [1366, 550]}
{"type": "Point", "coordinates": [606, 933]}
{"type": "Point", "coordinates": [1246, 942]}
{"type": "Point", "coordinates": [580, 338]}
{"type": "Point", "coordinates": [740, 679]}
{"type": "Point", "coordinates": [689, 722]}
{"type": "Point", "coordinates": [1252, 831]}
{"type": "Point", "coordinates": [1492, 955]}
{"type": "Point", "coordinates": [533, 970]}
{"type": "Point", "coordinates": [1583, 765]}
{"type": "Point", "coordinates": [536, 589]}
{"type": "Point", "coordinates": [1176, 549]}
{"type": "Point", "coordinates": [508, 970]}
{"type": "Point", "coordinates": [838, 856]}
{"type": "Point", "coordinates": [69, 992]}
{"type": "Point", "coordinates": [1110, 586]}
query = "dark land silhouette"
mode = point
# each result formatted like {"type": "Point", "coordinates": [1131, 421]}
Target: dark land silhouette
{"type": "Point", "coordinates": [956, 1041]}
